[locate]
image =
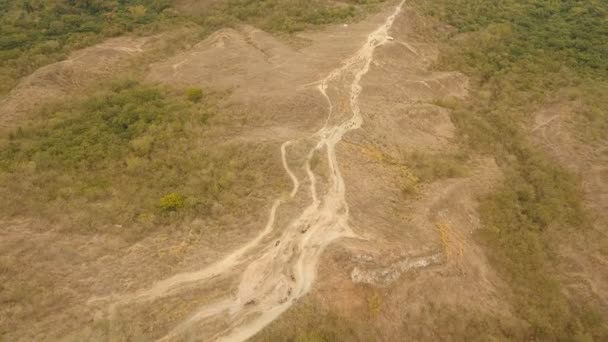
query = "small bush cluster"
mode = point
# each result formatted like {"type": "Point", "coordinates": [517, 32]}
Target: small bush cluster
{"type": "Point", "coordinates": [194, 94]}
{"type": "Point", "coordinates": [171, 202]}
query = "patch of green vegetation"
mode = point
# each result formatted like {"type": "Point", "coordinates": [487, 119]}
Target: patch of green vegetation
{"type": "Point", "coordinates": [519, 54]}
{"type": "Point", "coordinates": [592, 116]}
{"type": "Point", "coordinates": [171, 202]}
{"type": "Point", "coordinates": [195, 94]}
{"type": "Point", "coordinates": [110, 158]}
{"type": "Point", "coordinates": [105, 128]}
{"type": "Point", "coordinates": [417, 169]}
{"type": "Point", "coordinates": [431, 167]}
{"type": "Point", "coordinates": [35, 33]}
{"type": "Point", "coordinates": [536, 199]}
{"type": "Point", "coordinates": [540, 35]}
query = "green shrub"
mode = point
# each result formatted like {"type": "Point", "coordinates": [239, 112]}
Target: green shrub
{"type": "Point", "coordinates": [98, 130]}
{"type": "Point", "coordinates": [110, 154]}
{"type": "Point", "coordinates": [194, 94]}
{"type": "Point", "coordinates": [431, 167]}
{"type": "Point", "coordinates": [171, 202]}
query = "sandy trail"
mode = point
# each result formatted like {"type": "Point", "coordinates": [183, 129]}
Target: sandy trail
{"type": "Point", "coordinates": [285, 270]}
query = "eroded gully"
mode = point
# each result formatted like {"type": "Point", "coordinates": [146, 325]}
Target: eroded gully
{"type": "Point", "coordinates": [285, 269]}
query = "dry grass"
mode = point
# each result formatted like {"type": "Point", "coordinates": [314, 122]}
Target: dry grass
{"type": "Point", "coordinates": [453, 246]}
{"type": "Point", "coordinates": [309, 321]}
{"type": "Point", "coordinates": [416, 169]}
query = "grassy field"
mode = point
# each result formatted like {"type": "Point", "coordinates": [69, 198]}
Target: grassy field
{"type": "Point", "coordinates": [521, 55]}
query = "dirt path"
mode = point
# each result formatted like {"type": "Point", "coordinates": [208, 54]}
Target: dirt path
{"type": "Point", "coordinates": [285, 269]}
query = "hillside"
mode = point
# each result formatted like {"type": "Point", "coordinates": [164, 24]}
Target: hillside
{"type": "Point", "coordinates": [289, 170]}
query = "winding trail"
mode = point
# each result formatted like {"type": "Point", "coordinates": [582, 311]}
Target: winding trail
{"type": "Point", "coordinates": [284, 270]}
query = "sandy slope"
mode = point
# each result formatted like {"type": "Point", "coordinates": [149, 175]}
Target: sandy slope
{"type": "Point", "coordinates": [285, 269]}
